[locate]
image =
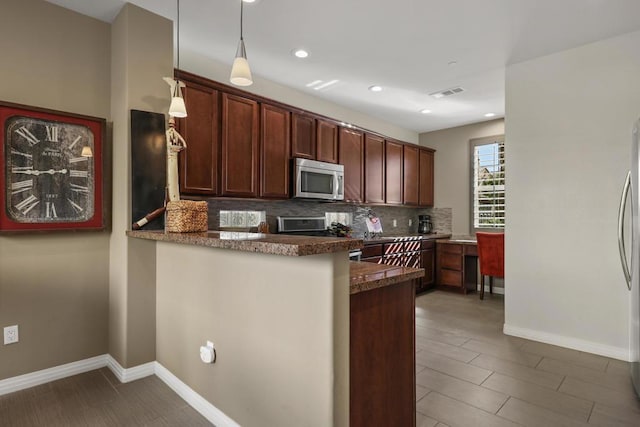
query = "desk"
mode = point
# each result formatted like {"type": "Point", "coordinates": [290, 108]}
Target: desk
{"type": "Point", "coordinates": [457, 264]}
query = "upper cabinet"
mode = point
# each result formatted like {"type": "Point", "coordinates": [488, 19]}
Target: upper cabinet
{"type": "Point", "coordinates": [351, 155]}
{"type": "Point", "coordinates": [275, 124]}
{"type": "Point", "coordinates": [239, 146]}
{"type": "Point", "coordinates": [374, 167]}
{"type": "Point", "coordinates": [327, 141]}
{"type": "Point", "coordinates": [199, 162]}
{"type": "Point", "coordinates": [394, 176]}
{"type": "Point", "coordinates": [426, 177]}
{"type": "Point", "coordinates": [410, 175]}
{"type": "Point", "coordinates": [303, 136]}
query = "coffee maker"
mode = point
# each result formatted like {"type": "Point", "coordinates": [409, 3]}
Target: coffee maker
{"type": "Point", "coordinates": [424, 224]}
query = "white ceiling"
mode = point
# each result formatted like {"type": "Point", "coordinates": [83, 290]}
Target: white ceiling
{"type": "Point", "coordinates": [404, 46]}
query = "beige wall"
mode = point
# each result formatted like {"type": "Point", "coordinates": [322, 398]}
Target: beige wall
{"type": "Point", "coordinates": [141, 55]}
{"type": "Point", "coordinates": [453, 167]}
{"type": "Point", "coordinates": [217, 71]}
{"type": "Point", "coordinates": [568, 131]}
{"type": "Point", "coordinates": [54, 286]}
{"type": "Point", "coordinates": [280, 338]}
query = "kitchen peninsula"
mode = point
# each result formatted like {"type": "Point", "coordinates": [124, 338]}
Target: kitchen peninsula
{"type": "Point", "coordinates": [292, 323]}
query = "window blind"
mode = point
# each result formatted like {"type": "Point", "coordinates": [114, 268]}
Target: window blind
{"type": "Point", "coordinates": [488, 184]}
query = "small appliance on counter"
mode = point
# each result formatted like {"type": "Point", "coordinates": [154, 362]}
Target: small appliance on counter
{"type": "Point", "coordinates": [425, 226]}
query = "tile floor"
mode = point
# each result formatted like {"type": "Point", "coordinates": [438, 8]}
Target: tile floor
{"type": "Point", "coordinates": [468, 373]}
{"type": "Point", "coordinates": [98, 399]}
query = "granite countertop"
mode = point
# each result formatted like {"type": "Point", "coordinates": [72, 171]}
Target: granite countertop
{"type": "Point", "coordinates": [276, 244]}
{"type": "Point", "coordinates": [392, 238]}
{"type": "Point", "coordinates": [364, 276]}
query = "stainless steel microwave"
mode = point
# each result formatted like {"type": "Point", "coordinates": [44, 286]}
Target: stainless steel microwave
{"type": "Point", "coordinates": [318, 180]}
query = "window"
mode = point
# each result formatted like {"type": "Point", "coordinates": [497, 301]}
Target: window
{"type": "Point", "coordinates": [488, 183]}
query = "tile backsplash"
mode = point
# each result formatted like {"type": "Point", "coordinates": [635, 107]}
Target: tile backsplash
{"type": "Point", "coordinates": [246, 213]}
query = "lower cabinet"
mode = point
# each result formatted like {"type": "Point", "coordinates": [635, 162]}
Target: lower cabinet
{"type": "Point", "coordinates": [382, 357]}
{"type": "Point", "coordinates": [456, 266]}
{"type": "Point", "coordinates": [427, 261]}
{"type": "Point", "coordinates": [414, 253]}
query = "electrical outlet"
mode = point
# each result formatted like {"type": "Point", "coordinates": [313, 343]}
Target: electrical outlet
{"type": "Point", "coordinates": [11, 334]}
{"type": "Point", "coordinates": [395, 222]}
{"type": "Point", "coordinates": [410, 222]}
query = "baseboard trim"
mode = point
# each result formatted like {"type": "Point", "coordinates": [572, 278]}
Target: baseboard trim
{"type": "Point", "coordinates": [126, 375]}
{"type": "Point", "coordinates": [567, 342]}
{"type": "Point", "coordinates": [197, 402]}
{"type": "Point", "coordinates": [33, 379]}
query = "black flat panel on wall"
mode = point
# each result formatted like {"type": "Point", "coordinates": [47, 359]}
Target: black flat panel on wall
{"type": "Point", "coordinates": [148, 166]}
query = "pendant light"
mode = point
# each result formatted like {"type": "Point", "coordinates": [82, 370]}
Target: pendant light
{"type": "Point", "coordinates": [240, 71]}
{"type": "Point", "coordinates": [177, 107]}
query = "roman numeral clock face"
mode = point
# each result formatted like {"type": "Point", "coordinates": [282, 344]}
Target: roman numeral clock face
{"type": "Point", "coordinates": [47, 180]}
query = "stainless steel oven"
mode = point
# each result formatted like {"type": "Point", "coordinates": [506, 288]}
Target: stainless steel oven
{"type": "Point", "coordinates": [318, 180]}
{"type": "Point", "coordinates": [309, 226]}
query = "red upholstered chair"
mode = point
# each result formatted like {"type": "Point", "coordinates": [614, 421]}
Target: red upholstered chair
{"type": "Point", "coordinates": [491, 256]}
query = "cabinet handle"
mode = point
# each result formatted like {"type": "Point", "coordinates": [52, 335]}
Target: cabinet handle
{"type": "Point", "coordinates": [621, 246]}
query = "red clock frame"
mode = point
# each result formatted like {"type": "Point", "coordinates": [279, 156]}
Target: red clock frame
{"type": "Point", "coordinates": [97, 126]}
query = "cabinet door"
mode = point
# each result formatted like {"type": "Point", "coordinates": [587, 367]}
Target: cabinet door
{"type": "Point", "coordinates": [351, 155]}
{"type": "Point", "coordinates": [303, 136]}
{"type": "Point", "coordinates": [274, 152]}
{"type": "Point", "coordinates": [199, 163]}
{"type": "Point", "coordinates": [239, 146]}
{"type": "Point", "coordinates": [373, 169]}
{"type": "Point", "coordinates": [428, 258]}
{"type": "Point", "coordinates": [426, 178]}
{"type": "Point", "coordinates": [411, 177]}
{"type": "Point", "coordinates": [393, 172]}
{"type": "Point", "coordinates": [327, 141]}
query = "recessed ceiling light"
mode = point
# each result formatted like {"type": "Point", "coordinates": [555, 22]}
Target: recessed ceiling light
{"type": "Point", "coordinates": [490, 114]}
{"type": "Point", "coordinates": [425, 111]}
{"type": "Point", "coordinates": [301, 53]}
{"type": "Point", "coordinates": [375, 88]}
{"type": "Point", "coordinates": [249, 1]}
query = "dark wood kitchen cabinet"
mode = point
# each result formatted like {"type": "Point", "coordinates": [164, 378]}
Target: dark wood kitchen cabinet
{"type": "Point", "coordinates": [410, 180]}
{"type": "Point", "coordinates": [351, 155]}
{"type": "Point", "coordinates": [199, 163]}
{"type": "Point", "coordinates": [275, 143]}
{"type": "Point", "coordinates": [227, 143]}
{"type": "Point", "coordinates": [326, 141]}
{"type": "Point", "coordinates": [426, 177]}
{"type": "Point", "coordinates": [303, 136]}
{"type": "Point", "coordinates": [240, 146]}
{"type": "Point", "coordinates": [427, 261]}
{"type": "Point", "coordinates": [393, 173]}
{"type": "Point", "coordinates": [374, 167]}
{"type": "Point", "coordinates": [382, 357]}
{"type": "Point", "coordinates": [457, 266]}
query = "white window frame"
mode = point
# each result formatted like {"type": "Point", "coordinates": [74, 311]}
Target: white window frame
{"type": "Point", "coordinates": [499, 139]}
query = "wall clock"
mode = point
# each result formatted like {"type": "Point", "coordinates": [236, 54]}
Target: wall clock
{"type": "Point", "coordinates": [52, 176]}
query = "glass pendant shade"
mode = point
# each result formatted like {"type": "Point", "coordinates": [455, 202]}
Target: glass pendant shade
{"type": "Point", "coordinates": [177, 107]}
{"type": "Point", "coordinates": [240, 72]}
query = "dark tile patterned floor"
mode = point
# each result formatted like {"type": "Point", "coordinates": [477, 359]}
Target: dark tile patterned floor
{"type": "Point", "coordinates": [97, 398]}
{"type": "Point", "coordinates": [468, 373]}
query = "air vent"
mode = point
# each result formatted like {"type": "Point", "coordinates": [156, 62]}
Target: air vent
{"type": "Point", "coordinates": [447, 92]}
